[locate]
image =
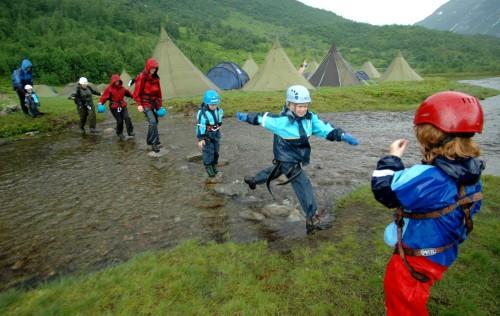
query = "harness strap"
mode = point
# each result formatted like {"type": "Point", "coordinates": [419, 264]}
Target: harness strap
{"type": "Point", "coordinates": [465, 204]}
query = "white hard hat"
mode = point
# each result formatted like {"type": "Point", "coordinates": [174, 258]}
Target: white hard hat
{"type": "Point", "coordinates": [28, 87]}
{"type": "Point", "coordinates": [83, 80]}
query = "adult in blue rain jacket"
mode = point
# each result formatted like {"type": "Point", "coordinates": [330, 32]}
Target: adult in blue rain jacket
{"type": "Point", "coordinates": [436, 200]}
{"type": "Point", "coordinates": [209, 122]}
{"type": "Point", "coordinates": [292, 129]}
{"type": "Point", "coordinates": [21, 77]}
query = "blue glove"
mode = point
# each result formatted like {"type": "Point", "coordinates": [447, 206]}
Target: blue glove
{"type": "Point", "coordinates": [241, 116]}
{"type": "Point", "coordinates": [348, 138]}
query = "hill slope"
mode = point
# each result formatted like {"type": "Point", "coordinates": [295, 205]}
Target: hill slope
{"type": "Point", "coordinates": [66, 39]}
{"type": "Point", "coordinates": [466, 17]}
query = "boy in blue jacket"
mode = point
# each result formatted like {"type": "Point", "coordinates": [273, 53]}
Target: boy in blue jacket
{"type": "Point", "coordinates": [435, 200]}
{"type": "Point", "coordinates": [292, 129]}
{"type": "Point", "coordinates": [209, 122]}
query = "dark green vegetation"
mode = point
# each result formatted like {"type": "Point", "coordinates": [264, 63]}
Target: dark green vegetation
{"type": "Point", "coordinates": [397, 96]}
{"type": "Point", "coordinates": [336, 272]}
{"type": "Point", "coordinates": [67, 39]}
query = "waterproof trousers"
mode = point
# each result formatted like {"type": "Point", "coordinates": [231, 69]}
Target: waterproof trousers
{"type": "Point", "coordinates": [301, 186]}
{"type": "Point", "coordinates": [22, 95]}
{"type": "Point", "coordinates": [121, 115]}
{"type": "Point", "coordinates": [153, 137]}
{"type": "Point", "coordinates": [211, 151]}
{"type": "Point", "coordinates": [405, 295]}
{"type": "Point", "coordinates": [85, 113]}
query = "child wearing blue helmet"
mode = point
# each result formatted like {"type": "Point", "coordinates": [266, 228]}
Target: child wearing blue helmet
{"type": "Point", "coordinates": [209, 121]}
{"type": "Point", "coordinates": [292, 129]}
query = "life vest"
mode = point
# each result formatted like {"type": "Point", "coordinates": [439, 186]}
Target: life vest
{"type": "Point", "coordinates": [464, 204]}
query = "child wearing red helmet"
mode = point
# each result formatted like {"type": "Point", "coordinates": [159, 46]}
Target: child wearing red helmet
{"type": "Point", "coordinates": [435, 201]}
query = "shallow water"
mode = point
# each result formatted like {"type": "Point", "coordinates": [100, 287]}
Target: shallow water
{"type": "Point", "coordinates": [78, 203]}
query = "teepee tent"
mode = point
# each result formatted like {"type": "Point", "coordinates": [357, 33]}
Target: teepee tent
{"type": "Point", "coordinates": [44, 90]}
{"type": "Point", "coordinates": [276, 73]}
{"type": "Point", "coordinates": [311, 68]}
{"type": "Point", "coordinates": [370, 70]}
{"type": "Point", "coordinates": [178, 75]}
{"type": "Point", "coordinates": [334, 71]}
{"type": "Point", "coordinates": [399, 70]}
{"type": "Point", "coordinates": [125, 77]}
{"type": "Point", "coordinates": [250, 67]}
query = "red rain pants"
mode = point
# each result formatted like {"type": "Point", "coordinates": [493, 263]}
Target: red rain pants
{"type": "Point", "coordinates": [405, 295]}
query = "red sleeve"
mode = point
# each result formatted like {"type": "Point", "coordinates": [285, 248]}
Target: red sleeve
{"type": "Point", "coordinates": [139, 85]}
{"type": "Point", "coordinates": [105, 95]}
{"type": "Point", "coordinates": [128, 93]}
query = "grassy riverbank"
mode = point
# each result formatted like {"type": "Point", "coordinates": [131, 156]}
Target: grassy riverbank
{"type": "Point", "coordinates": [336, 272]}
{"type": "Point", "coordinates": [401, 96]}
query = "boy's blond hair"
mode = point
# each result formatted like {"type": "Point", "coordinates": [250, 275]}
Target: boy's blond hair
{"type": "Point", "coordinates": [437, 143]}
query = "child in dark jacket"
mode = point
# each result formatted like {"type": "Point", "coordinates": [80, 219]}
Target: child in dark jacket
{"type": "Point", "coordinates": [209, 121]}
{"type": "Point", "coordinates": [292, 129]}
{"type": "Point", "coordinates": [435, 200]}
{"type": "Point", "coordinates": [115, 92]}
{"type": "Point", "coordinates": [85, 104]}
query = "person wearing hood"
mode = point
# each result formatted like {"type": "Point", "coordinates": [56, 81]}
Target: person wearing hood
{"type": "Point", "coordinates": [209, 122]}
{"type": "Point", "coordinates": [147, 95]}
{"type": "Point", "coordinates": [21, 77]}
{"type": "Point", "coordinates": [115, 92]}
{"type": "Point", "coordinates": [85, 104]}
{"type": "Point", "coordinates": [292, 129]}
{"type": "Point", "coordinates": [435, 201]}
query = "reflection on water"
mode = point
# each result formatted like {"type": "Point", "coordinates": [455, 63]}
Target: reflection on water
{"type": "Point", "coordinates": [72, 202]}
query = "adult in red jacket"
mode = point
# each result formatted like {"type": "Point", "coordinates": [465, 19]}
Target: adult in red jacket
{"type": "Point", "coordinates": [147, 94]}
{"type": "Point", "coordinates": [115, 93]}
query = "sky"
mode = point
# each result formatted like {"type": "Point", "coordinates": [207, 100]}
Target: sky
{"type": "Point", "coordinates": [379, 12]}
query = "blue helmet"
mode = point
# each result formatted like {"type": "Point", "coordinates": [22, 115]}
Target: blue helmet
{"type": "Point", "coordinates": [161, 112]}
{"type": "Point", "coordinates": [211, 97]}
{"type": "Point", "coordinates": [298, 94]}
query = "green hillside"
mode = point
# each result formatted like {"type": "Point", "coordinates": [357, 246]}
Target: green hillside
{"type": "Point", "coordinates": [66, 39]}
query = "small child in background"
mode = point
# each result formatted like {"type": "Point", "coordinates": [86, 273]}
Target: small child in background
{"type": "Point", "coordinates": [209, 121]}
{"type": "Point", "coordinates": [31, 101]}
{"type": "Point", "coordinates": [435, 200]}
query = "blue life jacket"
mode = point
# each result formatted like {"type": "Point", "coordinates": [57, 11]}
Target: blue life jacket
{"type": "Point", "coordinates": [291, 133]}
{"type": "Point", "coordinates": [424, 189]}
{"type": "Point", "coordinates": [208, 122]}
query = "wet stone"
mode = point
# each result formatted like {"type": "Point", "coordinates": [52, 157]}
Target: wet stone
{"type": "Point", "coordinates": [194, 157]}
{"type": "Point", "coordinates": [161, 153]}
{"type": "Point", "coordinates": [253, 216]}
{"type": "Point", "coordinates": [109, 130]}
{"type": "Point", "coordinates": [231, 189]}
{"type": "Point", "coordinates": [275, 209]}
{"type": "Point", "coordinates": [295, 216]}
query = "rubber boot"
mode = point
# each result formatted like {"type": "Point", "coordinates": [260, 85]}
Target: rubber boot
{"type": "Point", "coordinates": [210, 171]}
{"type": "Point", "coordinates": [319, 221]}
{"type": "Point", "coordinates": [214, 166]}
{"type": "Point", "coordinates": [251, 182]}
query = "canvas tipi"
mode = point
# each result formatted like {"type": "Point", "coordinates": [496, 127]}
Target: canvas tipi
{"type": "Point", "coordinates": [334, 71]}
{"type": "Point", "coordinates": [276, 73]}
{"type": "Point", "coordinates": [399, 70]}
{"type": "Point", "coordinates": [178, 75]}
{"type": "Point", "coordinates": [370, 70]}
{"type": "Point", "coordinates": [250, 67]}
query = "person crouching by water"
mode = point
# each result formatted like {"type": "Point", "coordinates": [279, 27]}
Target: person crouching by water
{"type": "Point", "coordinates": [435, 201]}
{"type": "Point", "coordinates": [31, 101]}
{"type": "Point", "coordinates": [115, 92]}
{"type": "Point", "coordinates": [147, 94]}
{"type": "Point", "coordinates": [85, 104]}
{"type": "Point", "coordinates": [292, 129]}
{"type": "Point", "coordinates": [209, 121]}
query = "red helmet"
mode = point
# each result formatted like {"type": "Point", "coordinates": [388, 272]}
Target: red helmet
{"type": "Point", "coordinates": [451, 112]}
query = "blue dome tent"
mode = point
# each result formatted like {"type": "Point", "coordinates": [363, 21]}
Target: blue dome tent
{"type": "Point", "coordinates": [227, 76]}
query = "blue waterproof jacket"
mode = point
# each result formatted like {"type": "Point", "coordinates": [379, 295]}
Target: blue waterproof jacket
{"type": "Point", "coordinates": [291, 133]}
{"type": "Point", "coordinates": [208, 122]}
{"type": "Point", "coordinates": [21, 76]}
{"type": "Point", "coordinates": [425, 188]}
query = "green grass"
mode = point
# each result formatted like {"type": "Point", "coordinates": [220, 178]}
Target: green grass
{"type": "Point", "coordinates": [396, 96]}
{"type": "Point", "coordinates": [336, 272]}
